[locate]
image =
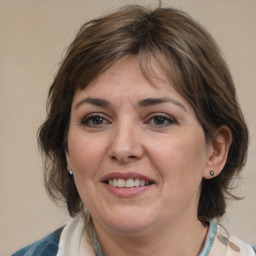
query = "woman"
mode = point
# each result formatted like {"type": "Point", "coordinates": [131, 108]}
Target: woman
{"type": "Point", "coordinates": [143, 137]}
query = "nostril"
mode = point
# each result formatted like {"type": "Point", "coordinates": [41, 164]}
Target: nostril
{"type": "Point", "coordinates": [122, 159]}
{"type": "Point", "coordinates": [113, 157]}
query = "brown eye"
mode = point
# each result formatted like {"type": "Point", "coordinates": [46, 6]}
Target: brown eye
{"type": "Point", "coordinates": [94, 120]}
{"type": "Point", "coordinates": [97, 120]}
{"type": "Point", "coordinates": [161, 120]}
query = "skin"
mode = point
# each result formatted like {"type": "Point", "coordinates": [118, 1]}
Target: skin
{"type": "Point", "coordinates": [163, 141]}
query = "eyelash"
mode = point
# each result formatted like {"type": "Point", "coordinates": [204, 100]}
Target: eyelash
{"type": "Point", "coordinates": [152, 117]}
{"type": "Point", "coordinates": [161, 117]}
{"type": "Point", "coordinates": [92, 117]}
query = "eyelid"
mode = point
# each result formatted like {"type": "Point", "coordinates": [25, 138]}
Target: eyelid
{"type": "Point", "coordinates": [159, 114]}
{"type": "Point", "coordinates": [165, 116]}
{"type": "Point", "coordinates": [85, 118]}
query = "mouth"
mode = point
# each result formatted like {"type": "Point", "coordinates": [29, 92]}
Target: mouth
{"type": "Point", "coordinates": [129, 183]}
{"type": "Point", "coordinates": [127, 180]}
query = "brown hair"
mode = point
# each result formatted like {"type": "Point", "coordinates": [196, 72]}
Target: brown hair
{"type": "Point", "coordinates": [189, 58]}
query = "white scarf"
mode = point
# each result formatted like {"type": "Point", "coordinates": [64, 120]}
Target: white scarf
{"type": "Point", "coordinates": [74, 242]}
{"type": "Point", "coordinates": [229, 245]}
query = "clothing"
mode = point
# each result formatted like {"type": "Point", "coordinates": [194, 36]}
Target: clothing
{"type": "Point", "coordinates": [48, 246]}
{"type": "Point", "coordinates": [68, 241]}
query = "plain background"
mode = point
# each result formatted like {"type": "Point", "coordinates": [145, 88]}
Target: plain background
{"type": "Point", "coordinates": [34, 35]}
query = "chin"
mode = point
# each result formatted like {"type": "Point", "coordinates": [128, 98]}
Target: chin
{"type": "Point", "coordinates": [129, 222]}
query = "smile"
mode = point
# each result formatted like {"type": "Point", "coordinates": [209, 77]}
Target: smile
{"type": "Point", "coordinates": [129, 183]}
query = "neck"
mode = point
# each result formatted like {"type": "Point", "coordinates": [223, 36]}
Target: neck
{"type": "Point", "coordinates": [162, 242]}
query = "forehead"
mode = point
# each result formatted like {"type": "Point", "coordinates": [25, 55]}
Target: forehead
{"type": "Point", "coordinates": [124, 81]}
{"type": "Point", "coordinates": [128, 74]}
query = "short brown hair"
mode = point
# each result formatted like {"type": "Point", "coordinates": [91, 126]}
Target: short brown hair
{"type": "Point", "coordinates": [189, 58]}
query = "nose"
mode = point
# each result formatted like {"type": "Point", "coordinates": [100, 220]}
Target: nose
{"type": "Point", "coordinates": [125, 145]}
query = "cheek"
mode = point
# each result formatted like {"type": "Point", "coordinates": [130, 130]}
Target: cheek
{"type": "Point", "coordinates": [86, 157]}
{"type": "Point", "coordinates": [85, 154]}
{"type": "Point", "coordinates": [180, 160]}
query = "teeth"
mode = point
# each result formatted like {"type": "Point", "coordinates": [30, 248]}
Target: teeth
{"type": "Point", "coordinates": [137, 182]}
{"type": "Point", "coordinates": [130, 183]}
{"type": "Point", "coordinates": [115, 182]}
{"type": "Point", "coordinates": [121, 183]}
{"type": "Point", "coordinates": [110, 182]}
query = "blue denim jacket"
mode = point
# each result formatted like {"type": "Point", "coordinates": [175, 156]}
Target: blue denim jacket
{"type": "Point", "coordinates": [48, 246]}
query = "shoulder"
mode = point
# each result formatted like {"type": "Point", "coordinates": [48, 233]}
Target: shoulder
{"type": "Point", "coordinates": [48, 246]}
{"type": "Point", "coordinates": [234, 245]}
{"type": "Point", "coordinates": [239, 246]}
{"type": "Point", "coordinates": [220, 242]}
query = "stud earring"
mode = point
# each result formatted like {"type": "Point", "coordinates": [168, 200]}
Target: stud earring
{"type": "Point", "coordinates": [212, 173]}
{"type": "Point", "coordinates": [70, 173]}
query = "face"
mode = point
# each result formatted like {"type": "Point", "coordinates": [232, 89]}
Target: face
{"type": "Point", "coordinates": [137, 152]}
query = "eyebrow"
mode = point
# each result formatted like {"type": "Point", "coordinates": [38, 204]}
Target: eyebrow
{"type": "Point", "coordinates": [141, 104]}
{"type": "Point", "coordinates": [94, 101]}
{"type": "Point", "coordinates": [155, 101]}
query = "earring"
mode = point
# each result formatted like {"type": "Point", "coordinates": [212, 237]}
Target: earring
{"type": "Point", "coordinates": [70, 173]}
{"type": "Point", "coordinates": [212, 173]}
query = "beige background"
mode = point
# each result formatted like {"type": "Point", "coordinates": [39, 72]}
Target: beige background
{"type": "Point", "coordinates": [34, 35]}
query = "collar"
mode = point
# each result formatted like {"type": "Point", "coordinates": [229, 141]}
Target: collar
{"type": "Point", "coordinates": [74, 242]}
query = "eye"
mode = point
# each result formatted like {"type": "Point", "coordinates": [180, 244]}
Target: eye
{"type": "Point", "coordinates": [160, 120]}
{"type": "Point", "coordinates": [94, 120]}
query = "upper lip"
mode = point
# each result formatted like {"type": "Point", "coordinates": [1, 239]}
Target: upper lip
{"type": "Point", "coordinates": [125, 176]}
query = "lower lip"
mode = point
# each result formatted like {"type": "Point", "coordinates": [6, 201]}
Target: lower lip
{"type": "Point", "coordinates": [127, 192]}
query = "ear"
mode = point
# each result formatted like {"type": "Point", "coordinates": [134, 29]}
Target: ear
{"type": "Point", "coordinates": [69, 165]}
{"type": "Point", "coordinates": [218, 152]}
